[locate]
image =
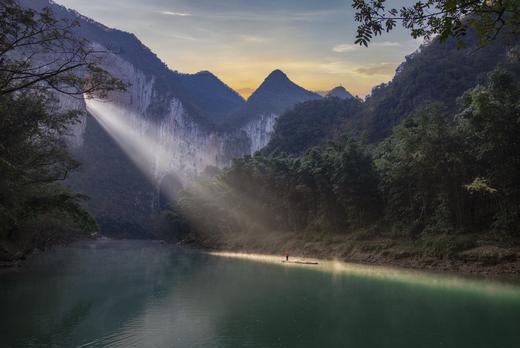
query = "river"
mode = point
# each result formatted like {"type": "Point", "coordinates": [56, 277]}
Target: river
{"type": "Point", "coordinates": [147, 294]}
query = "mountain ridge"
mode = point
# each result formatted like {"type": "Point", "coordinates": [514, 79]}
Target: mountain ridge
{"type": "Point", "coordinates": [339, 92]}
{"type": "Point", "coordinates": [278, 92]}
{"type": "Point", "coordinates": [205, 108]}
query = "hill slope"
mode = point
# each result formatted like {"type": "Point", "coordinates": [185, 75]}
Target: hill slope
{"type": "Point", "coordinates": [277, 94]}
{"type": "Point", "coordinates": [437, 72]}
{"type": "Point", "coordinates": [339, 92]}
{"type": "Point", "coordinates": [309, 124]}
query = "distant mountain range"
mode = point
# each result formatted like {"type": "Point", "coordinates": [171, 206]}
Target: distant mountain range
{"type": "Point", "coordinates": [438, 72]}
{"type": "Point", "coordinates": [275, 95]}
{"type": "Point", "coordinates": [203, 123]}
{"type": "Point", "coordinates": [197, 118]}
{"type": "Point", "coordinates": [208, 100]}
{"type": "Point", "coordinates": [203, 95]}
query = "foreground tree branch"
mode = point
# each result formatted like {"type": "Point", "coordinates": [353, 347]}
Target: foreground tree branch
{"type": "Point", "coordinates": [39, 52]}
{"type": "Point", "coordinates": [442, 18]}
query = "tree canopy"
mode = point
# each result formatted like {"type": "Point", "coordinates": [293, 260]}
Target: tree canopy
{"type": "Point", "coordinates": [40, 52]}
{"type": "Point", "coordinates": [41, 59]}
{"type": "Point", "coordinates": [441, 174]}
{"type": "Point", "coordinates": [442, 18]}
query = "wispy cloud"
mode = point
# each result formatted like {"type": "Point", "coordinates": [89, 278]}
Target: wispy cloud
{"type": "Point", "coordinates": [181, 36]}
{"type": "Point", "coordinates": [254, 39]}
{"type": "Point", "coordinates": [267, 16]}
{"type": "Point", "coordinates": [178, 14]}
{"type": "Point", "coordinates": [387, 44]}
{"type": "Point", "coordinates": [342, 48]}
{"type": "Point", "coordinates": [386, 69]}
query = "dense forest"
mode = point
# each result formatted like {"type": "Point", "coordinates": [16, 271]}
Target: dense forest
{"type": "Point", "coordinates": [309, 124]}
{"type": "Point", "coordinates": [430, 158]}
{"type": "Point", "coordinates": [446, 178]}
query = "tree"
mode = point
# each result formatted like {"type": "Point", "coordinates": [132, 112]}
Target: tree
{"type": "Point", "coordinates": [40, 58]}
{"type": "Point", "coordinates": [490, 124]}
{"type": "Point", "coordinates": [445, 18]}
{"type": "Point", "coordinates": [355, 183]}
{"type": "Point", "coordinates": [40, 52]}
{"type": "Point", "coordinates": [422, 168]}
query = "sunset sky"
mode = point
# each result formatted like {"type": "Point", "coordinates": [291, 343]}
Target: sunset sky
{"type": "Point", "coordinates": [241, 41]}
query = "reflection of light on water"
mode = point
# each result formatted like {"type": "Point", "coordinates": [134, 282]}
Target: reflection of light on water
{"type": "Point", "coordinates": [433, 280]}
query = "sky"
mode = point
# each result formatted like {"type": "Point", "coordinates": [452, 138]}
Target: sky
{"type": "Point", "coordinates": [242, 41]}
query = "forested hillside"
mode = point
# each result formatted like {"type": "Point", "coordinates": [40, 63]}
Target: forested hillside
{"type": "Point", "coordinates": [309, 124]}
{"type": "Point", "coordinates": [437, 72]}
{"type": "Point", "coordinates": [444, 182]}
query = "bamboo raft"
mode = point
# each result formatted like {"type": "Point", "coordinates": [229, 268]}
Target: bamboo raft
{"type": "Point", "coordinates": [301, 262]}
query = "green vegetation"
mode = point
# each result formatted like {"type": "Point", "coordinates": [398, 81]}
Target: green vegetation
{"type": "Point", "coordinates": [309, 124]}
{"type": "Point", "coordinates": [439, 185]}
{"type": "Point", "coordinates": [437, 72]}
{"type": "Point", "coordinates": [442, 18]}
{"type": "Point", "coordinates": [41, 61]}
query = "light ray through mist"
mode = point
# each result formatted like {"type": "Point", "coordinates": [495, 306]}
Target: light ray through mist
{"type": "Point", "coordinates": [137, 137]}
{"type": "Point", "coordinates": [136, 140]}
{"type": "Point", "coordinates": [423, 278]}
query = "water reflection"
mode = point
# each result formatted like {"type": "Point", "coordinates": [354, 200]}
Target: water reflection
{"type": "Point", "coordinates": [144, 294]}
{"type": "Point", "coordinates": [429, 279]}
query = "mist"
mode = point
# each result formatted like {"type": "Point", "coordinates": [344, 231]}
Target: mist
{"type": "Point", "coordinates": [142, 147]}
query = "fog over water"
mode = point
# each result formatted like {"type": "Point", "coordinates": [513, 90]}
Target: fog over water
{"type": "Point", "coordinates": [145, 294]}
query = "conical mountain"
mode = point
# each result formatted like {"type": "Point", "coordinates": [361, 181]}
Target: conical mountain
{"type": "Point", "coordinates": [210, 94]}
{"type": "Point", "coordinates": [339, 92]}
{"type": "Point", "coordinates": [277, 94]}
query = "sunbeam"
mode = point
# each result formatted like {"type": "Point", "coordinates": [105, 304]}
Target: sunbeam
{"type": "Point", "coordinates": [136, 139]}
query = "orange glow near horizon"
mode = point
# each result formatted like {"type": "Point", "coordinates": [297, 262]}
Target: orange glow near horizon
{"type": "Point", "coordinates": [242, 41]}
{"type": "Point", "coordinates": [245, 92]}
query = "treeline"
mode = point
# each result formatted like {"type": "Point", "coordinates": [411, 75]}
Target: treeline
{"type": "Point", "coordinates": [41, 61]}
{"type": "Point", "coordinates": [440, 172]}
{"type": "Point", "coordinates": [309, 124]}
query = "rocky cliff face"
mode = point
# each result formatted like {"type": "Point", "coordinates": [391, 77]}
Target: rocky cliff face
{"type": "Point", "coordinates": [126, 185]}
{"type": "Point", "coordinates": [163, 132]}
{"type": "Point", "coordinates": [160, 115]}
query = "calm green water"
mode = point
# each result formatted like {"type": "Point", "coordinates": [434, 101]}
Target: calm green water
{"type": "Point", "coordinates": [144, 294]}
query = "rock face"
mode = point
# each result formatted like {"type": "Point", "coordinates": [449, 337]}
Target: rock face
{"type": "Point", "coordinates": [189, 122]}
{"type": "Point", "coordinates": [190, 144]}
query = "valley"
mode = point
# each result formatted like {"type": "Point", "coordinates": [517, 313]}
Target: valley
{"type": "Point", "coordinates": [366, 193]}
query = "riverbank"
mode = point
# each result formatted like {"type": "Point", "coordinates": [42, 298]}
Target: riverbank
{"type": "Point", "coordinates": [479, 257]}
{"type": "Point", "coordinates": [14, 254]}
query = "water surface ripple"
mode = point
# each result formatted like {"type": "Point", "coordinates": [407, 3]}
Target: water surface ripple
{"type": "Point", "coordinates": [145, 294]}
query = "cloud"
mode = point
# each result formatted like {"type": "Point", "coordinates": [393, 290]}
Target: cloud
{"type": "Point", "coordinates": [377, 69]}
{"type": "Point", "coordinates": [387, 44]}
{"type": "Point", "coordinates": [342, 48]}
{"type": "Point", "coordinates": [181, 36]}
{"type": "Point", "coordinates": [253, 39]}
{"type": "Point", "coordinates": [178, 14]}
